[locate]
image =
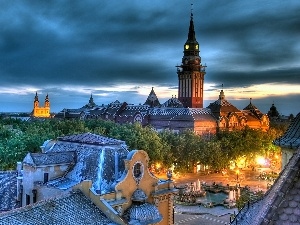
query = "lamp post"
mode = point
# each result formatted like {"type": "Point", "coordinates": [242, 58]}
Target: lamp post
{"type": "Point", "coordinates": [237, 175]}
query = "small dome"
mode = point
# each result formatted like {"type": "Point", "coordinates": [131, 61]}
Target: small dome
{"type": "Point", "coordinates": [138, 195]}
{"type": "Point", "coordinates": [146, 213]}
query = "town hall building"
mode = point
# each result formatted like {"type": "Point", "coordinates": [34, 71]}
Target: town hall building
{"type": "Point", "coordinates": [183, 113]}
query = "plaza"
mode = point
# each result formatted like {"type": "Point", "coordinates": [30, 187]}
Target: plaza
{"type": "Point", "coordinates": [195, 214]}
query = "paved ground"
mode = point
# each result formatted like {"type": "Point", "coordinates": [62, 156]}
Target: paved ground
{"type": "Point", "coordinates": [195, 215]}
{"type": "Point", "coordinates": [245, 177]}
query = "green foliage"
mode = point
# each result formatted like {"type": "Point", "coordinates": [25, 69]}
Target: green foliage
{"type": "Point", "coordinates": [247, 197]}
{"type": "Point", "coordinates": [185, 150]}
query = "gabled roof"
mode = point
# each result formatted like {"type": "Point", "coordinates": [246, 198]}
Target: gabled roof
{"type": "Point", "coordinates": [96, 157]}
{"type": "Point", "coordinates": [40, 159]}
{"type": "Point", "coordinates": [291, 138]}
{"type": "Point", "coordinates": [70, 209]}
{"type": "Point", "coordinates": [89, 138]}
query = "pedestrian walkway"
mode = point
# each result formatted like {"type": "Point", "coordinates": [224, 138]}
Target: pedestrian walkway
{"type": "Point", "coordinates": [200, 210]}
{"type": "Point", "coordinates": [215, 215]}
{"type": "Point", "coordinates": [185, 221]}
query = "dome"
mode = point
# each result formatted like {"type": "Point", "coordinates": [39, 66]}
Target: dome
{"type": "Point", "coordinates": [138, 195]}
{"type": "Point", "coordinates": [146, 213]}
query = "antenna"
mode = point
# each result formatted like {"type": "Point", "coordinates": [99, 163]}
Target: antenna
{"type": "Point", "coordinates": [192, 10]}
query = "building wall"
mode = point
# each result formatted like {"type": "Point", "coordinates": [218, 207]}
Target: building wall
{"type": "Point", "coordinates": [33, 176]}
{"type": "Point", "coordinates": [41, 111]}
{"type": "Point", "coordinates": [159, 193]}
{"type": "Point", "coordinates": [286, 155]}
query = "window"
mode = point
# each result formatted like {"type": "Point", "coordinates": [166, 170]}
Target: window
{"type": "Point", "coordinates": [34, 192]}
{"type": "Point", "coordinates": [46, 177]}
{"type": "Point", "coordinates": [137, 170]}
{"type": "Point", "coordinates": [27, 199]}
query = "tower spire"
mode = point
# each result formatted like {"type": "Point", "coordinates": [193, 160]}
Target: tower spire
{"type": "Point", "coordinates": [191, 72]}
{"type": "Point", "coordinates": [191, 35]}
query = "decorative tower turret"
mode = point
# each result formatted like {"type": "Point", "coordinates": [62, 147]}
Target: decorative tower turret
{"type": "Point", "coordinates": [47, 102]}
{"type": "Point", "coordinates": [36, 100]}
{"type": "Point", "coordinates": [191, 72]}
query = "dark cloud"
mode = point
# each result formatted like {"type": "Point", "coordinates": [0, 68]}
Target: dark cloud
{"type": "Point", "coordinates": [98, 44]}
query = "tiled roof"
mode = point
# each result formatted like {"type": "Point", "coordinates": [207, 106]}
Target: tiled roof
{"type": "Point", "coordinates": [252, 108]}
{"type": "Point", "coordinates": [222, 105]}
{"type": "Point", "coordinates": [62, 183]}
{"type": "Point", "coordinates": [131, 110]}
{"type": "Point", "coordinates": [280, 204]}
{"type": "Point", "coordinates": [89, 138]}
{"type": "Point", "coordinates": [179, 111]}
{"type": "Point", "coordinates": [143, 214]}
{"type": "Point", "coordinates": [291, 137]}
{"type": "Point", "coordinates": [70, 209]}
{"type": "Point", "coordinates": [37, 159]}
{"type": "Point", "coordinates": [8, 190]}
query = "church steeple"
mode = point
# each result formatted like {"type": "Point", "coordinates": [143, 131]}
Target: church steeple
{"type": "Point", "coordinates": [47, 102]}
{"type": "Point", "coordinates": [191, 72]}
{"type": "Point", "coordinates": [36, 100]}
{"type": "Point", "coordinates": [191, 35]}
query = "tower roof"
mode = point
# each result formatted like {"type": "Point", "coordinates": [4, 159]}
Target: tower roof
{"type": "Point", "coordinates": [191, 35]}
{"type": "Point", "coordinates": [222, 106]}
{"type": "Point", "coordinates": [254, 109]}
{"type": "Point", "coordinates": [152, 99]}
{"type": "Point", "coordinates": [47, 98]}
{"type": "Point", "coordinates": [36, 97]}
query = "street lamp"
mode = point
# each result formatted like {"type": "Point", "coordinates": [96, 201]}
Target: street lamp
{"type": "Point", "coordinates": [237, 175]}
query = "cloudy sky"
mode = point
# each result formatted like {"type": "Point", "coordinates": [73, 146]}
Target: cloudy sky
{"type": "Point", "coordinates": [120, 49]}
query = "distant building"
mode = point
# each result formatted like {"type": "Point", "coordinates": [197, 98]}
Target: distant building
{"type": "Point", "coordinates": [41, 111]}
{"type": "Point", "coordinates": [88, 178]}
{"type": "Point", "coordinates": [177, 114]}
{"type": "Point", "coordinates": [229, 117]}
{"type": "Point", "coordinates": [273, 113]}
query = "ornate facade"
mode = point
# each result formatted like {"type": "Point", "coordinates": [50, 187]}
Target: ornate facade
{"type": "Point", "coordinates": [39, 111]}
{"type": "Point", "coordinates": [229, 117]}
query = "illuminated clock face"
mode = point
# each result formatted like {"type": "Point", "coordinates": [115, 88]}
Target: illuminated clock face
{"type": "Point", "coordinates": [197, 46]}
{"type": "Point", "coordinates": [187, 46]}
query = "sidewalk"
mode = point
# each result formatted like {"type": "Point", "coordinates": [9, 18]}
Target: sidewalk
{"type": "Point", "coordinates": [199, 210]}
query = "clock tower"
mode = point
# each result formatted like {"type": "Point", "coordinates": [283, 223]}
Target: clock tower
{"type": "Point", "coordinates": [191, 72]}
